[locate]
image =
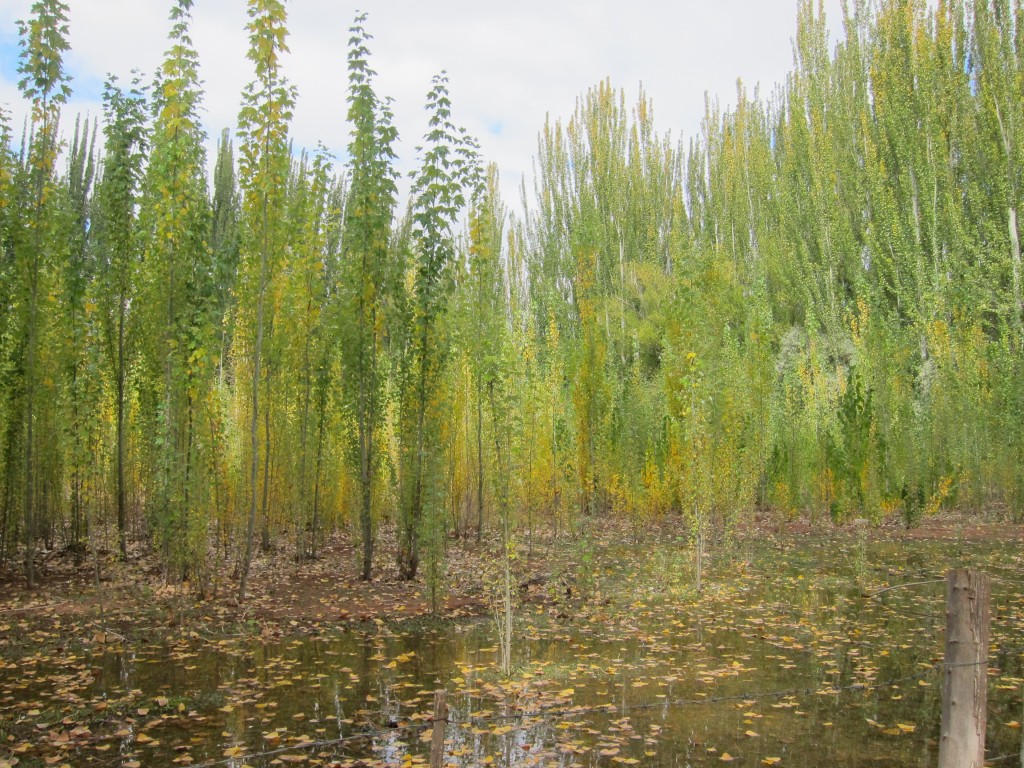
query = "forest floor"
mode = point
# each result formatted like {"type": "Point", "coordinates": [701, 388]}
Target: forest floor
{"type": "Point", "coordinates": [286, 598]}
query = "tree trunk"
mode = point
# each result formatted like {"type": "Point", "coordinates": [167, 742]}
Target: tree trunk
{"type": "Point", "coordinates": [315, 533]}
{"type": "Point", "coordinates": [302, 550]}
{"type": "Point", "coordinates": [409, 551]}
{"type": "Point", "coordinates": [1015, 260]}
{"type": "Point", "coordinates": [122, 518]}
{"type": "Point", "coordinates": [254, 464]}
{"type": "Point", "coordinates": [30, 371]}
{"type": "Point", "coordinates": [30, 396]}
{"type": "Point", "coordinates": [480, 461]}
{"type": "Point", "coordinates": [265, 503]}
{"type": "Point", "coordinates": [366, 509]}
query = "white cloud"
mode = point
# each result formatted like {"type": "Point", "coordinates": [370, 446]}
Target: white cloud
{"type": "Point", "coordinates": [508, 66]}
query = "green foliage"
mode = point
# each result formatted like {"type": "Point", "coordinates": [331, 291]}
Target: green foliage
{"type": "Point", "coordinates": [814, 305]}
{"type": "Point", "coordinates": [370, 277]}
{"type": "Point", "coordinates": [449, 168]}
{"type": "Point", "coordinates": [174, 289]}
{"type": "Point", "coordinates": [263, 169]}
{"type": "Point", "coordinates": [37, 248]}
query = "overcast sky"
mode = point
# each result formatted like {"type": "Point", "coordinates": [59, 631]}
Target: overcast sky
{"type": "Point", "coordinates": [509, 64]}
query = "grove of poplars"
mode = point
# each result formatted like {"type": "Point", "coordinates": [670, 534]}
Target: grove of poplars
{"type": "Point", "coordinates": [813, 305]}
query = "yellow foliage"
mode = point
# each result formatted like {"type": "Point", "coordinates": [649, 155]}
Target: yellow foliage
{"type": "Point", "coordinates": [942, 492]}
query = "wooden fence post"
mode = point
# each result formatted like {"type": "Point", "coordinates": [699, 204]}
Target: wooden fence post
{"type": "Point", "coordinates": [440, 721]}
{"type": "Point", "coordinates": [965, 678]}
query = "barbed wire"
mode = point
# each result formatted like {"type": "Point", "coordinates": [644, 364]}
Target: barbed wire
{"type": "Point", "coordinates": [1001, 758]}
{"type": "Point", "coordinates": [905, 586]}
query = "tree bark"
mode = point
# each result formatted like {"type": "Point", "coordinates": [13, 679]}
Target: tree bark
{"type": "Point", "coordinates": [122, 518]}
{"type": "Point", "coordinates": [254, 423]}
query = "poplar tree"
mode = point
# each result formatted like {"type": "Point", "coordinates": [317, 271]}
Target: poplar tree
{"type": "Point", "coordinates": [448, 169]}
{"type": "Point", "coordinates": [368, 272]}
{"type": "Point", "coordinates": [174, 289]}
{"type": "Point", "coordinates": [118, 255]}
{"type": "Point", "coordinates": [224, 241]}
{"type": "Point", "coordinates": [44, 41]}
{"type": "Point", "coordinates": [487, 323]}
{"type": "Point", "coordinates": [1000, 76]}
{"type": "Point", "coordinates": [75, 354]}
{"type": "Point", "coordinates": [10, 421]}
{"type": "Point", "coordinates": [305, 318]}
{"type": "Point", "coordinates": [264, 167]}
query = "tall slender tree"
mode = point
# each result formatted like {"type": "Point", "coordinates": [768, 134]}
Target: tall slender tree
{"type": "Point", "coordinates": [174, 289]}
{"type": "Point", "coordinates": [118, 253]}
{"type": "Point", "coordinates": [368, 269]}
{"type": "Point", "coordinates": [263, 128]}
{"type": "Point", "coordinates": [488, 323]}
{"type": "Point", "coordinates": [449, 168]}
{"type": "Point", "coordinates": [44, 41]}
{"type": "Point", "coordinates": [224, 241]}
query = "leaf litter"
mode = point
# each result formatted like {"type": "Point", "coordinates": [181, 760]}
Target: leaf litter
{"type": "Point", "coordinates": [786, 659]}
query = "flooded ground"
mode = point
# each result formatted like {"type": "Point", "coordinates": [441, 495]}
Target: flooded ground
{"type": "Point", "coordinates": [791, 657]}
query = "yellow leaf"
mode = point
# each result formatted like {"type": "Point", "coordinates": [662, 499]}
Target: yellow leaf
{"type": "Point", "coordinates": [752, 734]}
{"type": "Point", "coordinates": [771, 760]}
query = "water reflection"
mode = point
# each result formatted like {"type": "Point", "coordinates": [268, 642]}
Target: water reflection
{"type": "Point", "coordinates": [794, 623]}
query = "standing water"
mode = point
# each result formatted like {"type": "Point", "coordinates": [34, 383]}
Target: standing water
{"type": "Point", "coordinates": [792, 656]}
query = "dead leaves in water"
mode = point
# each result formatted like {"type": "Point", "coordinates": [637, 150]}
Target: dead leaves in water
{"type": "Point", "coordinates": [602, 683]}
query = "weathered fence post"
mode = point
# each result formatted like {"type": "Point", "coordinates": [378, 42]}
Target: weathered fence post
{"type": "Point", "coordinates": [440, 721]}
{"type": "Point", "coordinates": [965, 678]}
